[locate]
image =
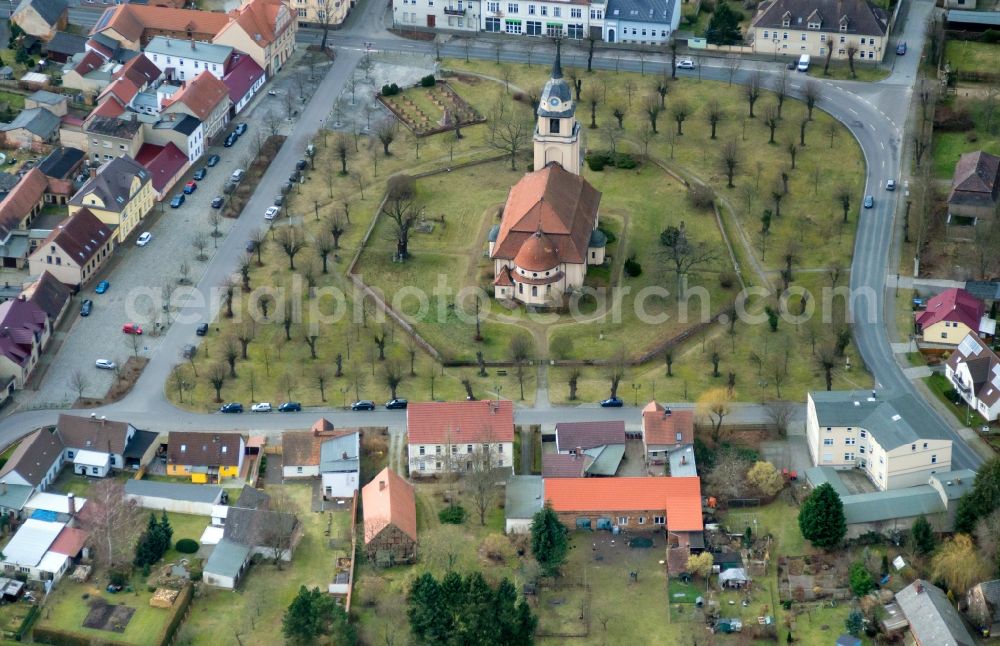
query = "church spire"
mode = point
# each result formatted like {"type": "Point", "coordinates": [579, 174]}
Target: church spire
{"type": "Point", "coordinates": [557, 63]}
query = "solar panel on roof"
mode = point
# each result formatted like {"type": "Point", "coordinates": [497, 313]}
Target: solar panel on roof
{"type": "Point", "coordinates": [969, 346]}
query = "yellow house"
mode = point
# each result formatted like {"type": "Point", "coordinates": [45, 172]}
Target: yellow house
{"type": "Point", "coordinates": [950, 316]}
{"type": "Point", "coordinates": [120, 195]}
{"type": "Point", "coordinates": [889, 438]}
{"type": "Point", "coordinates": [264, 29]}
{"type": "Point", "coordinates": [815, 27]}
{"type": "Point", "coordinates": [205, 457]}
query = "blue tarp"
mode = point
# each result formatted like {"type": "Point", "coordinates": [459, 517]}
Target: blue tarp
{"type": "Point", "coordinates": [44, 514]}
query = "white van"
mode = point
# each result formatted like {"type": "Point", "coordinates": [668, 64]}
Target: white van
{"type": "Point", "coordinates": [803, 63]}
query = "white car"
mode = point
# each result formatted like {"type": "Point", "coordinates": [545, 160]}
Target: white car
{"type": "Point", "coordinates": [271, 212]}
{"type": "Point", "coordinates": [144, 239]}
{"type": "Point", "coordinates": [105, 364]}
{"type": "Point", "coordinates": [685, 64]}
{"type": "Point", "coordinates": [890, 185]}
{"type": "Point", "coordinates": [262, 407]}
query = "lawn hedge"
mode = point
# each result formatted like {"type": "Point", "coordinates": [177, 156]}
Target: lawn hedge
{"type": "Point", "coordinates": [186, 546]}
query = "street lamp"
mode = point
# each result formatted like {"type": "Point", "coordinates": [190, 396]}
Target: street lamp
{"type": "Point", "coordinates": [343, 391]}
{"type": "Point", "coordinates": [775, 41]}
{"type": "Point", "coordinates": [635, 389]}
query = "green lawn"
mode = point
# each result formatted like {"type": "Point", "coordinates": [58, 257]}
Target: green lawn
{"type": "Point", "coordinates": [968, 56]}
{"type": "Point", "coordinates": [841, 71]}
{"type": "Point", "coordinates": [82, 486]}
{"type": "Point", "coordinates": [939, 385]}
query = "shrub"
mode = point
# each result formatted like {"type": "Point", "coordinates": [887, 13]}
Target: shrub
{"type": "Point", "coordinates": [861, 581]}
{"type": "Point", "coordinates": [390, 90]}
{"type": "Point", "coordinates": [949, 120]}
{"type": "Point", "coordinates": [428, 81]}
{"type": "Point", "coordinates": [195, 574]}
{"type": "Point", "coordinates": [186, 546]}
{"type": "Point", "coordinates": [452, 514]}
{"type": "Point", "coordinates": [497, 548]}
{"type": "Point", "coordinates": [727, 279]}
{"type": "Point", "coordinates": [701, 196]}
{"type": "Point", "coordinates": [401, 187]}
{"type": "Point", "coordinates": [117, 577]}
{"type": "Point", "coordinates": [991, 36]}
{"type": "Point", "coordinates": [971, 137]}
{"type": "Point", "coordinates": [624, 160]}
{"type": "Point", "coordinates": [632, 268]}
{"type": "Point", "coordinates": [597, 161]}
{"type": "Point", "coordinates": [610, 235]}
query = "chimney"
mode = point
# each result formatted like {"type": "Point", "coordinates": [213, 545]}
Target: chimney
{"type": "Point", "coordinates": [579, 450]}
{"type": "Point", "coordinates": [684, 459]}
{"type": "Point", "coordinates": [71, 504]}
{"type": "Point", "coordinates": [93, 416]}
{"type": "Point", "coordinates": [192, 42]}
{"type": "Point", "coordinates": [920, 586]}
{"type": "Point", "coordinates": [666, 411]}
{"type": "Point", "coordinates": [93, 172]}
{"type": "Point", "coordinates": [104, 419]}
{"type": "Point", "coordinates": [3, 487]}
{"type": "Point", "coordinates": [381, 485]}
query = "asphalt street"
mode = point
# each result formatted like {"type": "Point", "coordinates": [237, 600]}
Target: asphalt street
{"type": "Point", "coordinates": [875, 113]}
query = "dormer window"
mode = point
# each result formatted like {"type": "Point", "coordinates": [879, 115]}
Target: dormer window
{"type": "Point", "coordinates": [786, 19]}
{"type": "Point", "coordinates": [814, 25]}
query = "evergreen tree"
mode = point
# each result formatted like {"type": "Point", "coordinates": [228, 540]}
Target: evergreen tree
{"type": "Point", "coordinates": [313, 613]}
{"type": "Point", "coordinates": [428, 618]}
{"type": "Point", "coordinates": [166, 532]}
{"type": "Point", "coordinates": [724, 27]}
{"type": "Point", "coordinates": [860, 579]}
{"type": "Point", "coordinates": [923, 536]}
{"type": "Point", "coordinates": [548, 540]}
{"type": "Point", "coordinates": [855, 622]}
{"type": "Point", "coordinates": [981, 500]}
{"type": "Point", "coordinates": [821, 518]}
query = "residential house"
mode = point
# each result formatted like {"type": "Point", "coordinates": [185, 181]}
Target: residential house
{"type": "Point", "coordinates": [63, 46]}
{"type": "Point", "coordinates": [250, 528]}
{"type": "Point", "coordinates": [182, 60]}
{"type": "Point", "coordinates": [110, 137]}
{"type": "Point", "coordinates": [982, 603]}
{"type": "Point", "coordinates": [18, 210]}
{"type": "Point", "coordinates": [32, 129]}
{"type": "Point", "coordinates": [187, 134]}
{"type": "Point", "coordinates": [13, 498]}
{"type": "Point", "coordinates": [633, 504]}
{"type": "Point", "coordinates": [62, 164]}
{"type": "Point", "coordinates": [549, 19]}
{"type": "Point", "coordinates": [50, 295]}
{"type": "Point", "coordinates": [57, 507]}
{"type": "Point", "coordinates": [390, 519]}
{"type": "Point", "coordinates": [120, 194]}
{"type": "Point", "coordinates": [340, 465]}
{"type": "Point", "coordinates": [974, 370]}
{"type": "Point", "coordinates": [57, 104]}
{"type": "Point", "coordinates": [814, 27]}
{"type": "Point", "coordinates": [133, 26]}
{"type": "Point", "coordinates": [975, 189]}
{"type": "Point", "coordinates": [887, 436]}
{"type": "Point", "coordinates": [523, 498]}
{"type": "Point", "coordinates": [128, 84]}
{"type": "Point", "coordinates": [243, 79]}
{"type": "Point", "coordinates": [75, 250]}
{"type": "Point", "coordinates": [166, 165]}
{"type": "Point", "coordinates": [586, 449]}
{"type": "Point", "coordinates": [41, 18]}
{"type": "Point", "coordinates": [453, 436]}
{"type": "Point", "coordinates": [665, 430]}
{"type": "Point", "coordinates": [89, 74]}
{"type": "Point", "coordinates": [205, 457]}
{"type": "Point", "coordinates": [643, 22]}
{"type": "Point", "coordinates": [574, 437]}
{"type": "Point", "coordinates": [96, 445]}
{"type": "Point", "coordinates": [25, 331]}
{"type": "Point", "coordinates": [317, 14]}
{"type": "Point", "coordinates": [204, 97]}
{"type": "Point", "coordinates": [263, 29]}
{"type": "Point", "coordinates": [451, 15]}
{"type": "Point", "coordinates": [30, 551]}
{"type": "Point", "coordinates": [300, 450]}
{"type": "Point", "coordinates": [950, 316]}
{"type": "Point", "coordinates": [175, 497]}
{"type": "Point", "coordinates": [893, 511]}
{"type": "Point", "coordinates": [36, 462]}
{"type": "Point", "coordinates": [931, 616]}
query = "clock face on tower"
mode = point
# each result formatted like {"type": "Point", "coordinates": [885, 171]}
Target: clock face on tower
{"type": "Point", "coordinates": [554, 102]}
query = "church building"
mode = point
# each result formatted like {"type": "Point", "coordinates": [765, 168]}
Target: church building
{"type": "Point", "coordinates": [548, 233]}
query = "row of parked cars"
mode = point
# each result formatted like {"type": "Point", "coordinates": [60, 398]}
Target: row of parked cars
{"type": "Point", "coordinates": [295, 407]}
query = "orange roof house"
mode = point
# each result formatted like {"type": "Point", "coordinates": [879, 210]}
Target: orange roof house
{"type": "Point", "coordinates": [664, 429]}
{"type": "Point", "coordinates": [134, 25]}
{"type": "Point", "coordinates": [443, 436]}
{"type": "Point", "coordinates": [637, 503]}
{"type": "Point", "coordinates": [390, 519]}
{"type": "Point", "coordinates": [264, 29]}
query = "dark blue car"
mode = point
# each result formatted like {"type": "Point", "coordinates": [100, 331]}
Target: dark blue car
{"type": "Point", "coordinates": [612, 402]}
{"type": "Point", "coordinates": [102, 287]}
{"type": "Point", "coordinates": [232, 407]}
{"type": "Point", "coordinates": [177, 201]}
{"type": "Point", "coordinates": [290, 407]}
{"type": "Point", "coordinates": [200, 174]}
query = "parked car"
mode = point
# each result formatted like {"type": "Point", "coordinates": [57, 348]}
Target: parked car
{"type": "Point", "coordinates": [363, 404]}
{"type": "Point", "coordinates": [262, 407]}
{"type": "Point", "coordinates": [279, 200]}
{"type": "Point", "coordinates": [396, 404]}
{"type": "Point", "coordinates": [202, 329]}
{"type": "Point", "coordinates": [272, 93]}
{"type": "Point", "coordinates": [132, 328]}
{"type": "Point", "coordinates": [213, 160]}
{"type": "Point", "coordinates": [301, 164]}
{"type": "Point", "coordinates": [230, 139]}
{"type": "Point", "coordinates": [105, 364]}
{"type": "Point", "coordinates": [189, 351]}
{"type": "Point", "coordinates": [177, 201]}
{"type": "Point", "coordinates": [240, 129]}
{"type": "Point", "coordinates": [218, 201]}
{"type": "Point", "coordinates": [229, 187]}
{"type": "Point", "coordinates": [102, 287]}
{"type": "Point", "coordinates": [869, 201]}
{"type": "Point", "coordinates": [190, 187]}
{"type": "Point", "coordinates": [144, 239]}
{"type": "Point", "coordinates": [86, 306]}
{"type": "Point", "coordinates": [231, 407]}
{"type": "Point", "coordinates": [294, 177]}
{"type": "Point", "coordinates": [901, 48]}
{"type": "Point", "coordinates": [286, 187]}
{"type": "Point", "coordinates": [271, 212]}
{"type": "Point", "coordinates": [790, 66]}
{"type": "Point", "coordinates": [890, 185]}
{"type": "Point", "coordinates": [251, 246]}
{"type": "Point", "coordinates": [237, 175]}
{"type": "Point", "coordinates": [290, 407]}
{"type": "Point", "coordinates": [200, 173]}
{"type": "Point", "coordinates": [612, 402]}
{"type": "Point", "coordinates": [685, 64]}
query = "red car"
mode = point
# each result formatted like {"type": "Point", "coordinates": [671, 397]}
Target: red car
{"type": "Point", "coordinates": [132, 328]}
{"type": "Point", "coordinates": [190, 187]}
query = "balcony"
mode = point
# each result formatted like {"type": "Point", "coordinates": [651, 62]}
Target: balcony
{"type": "Point", "coordinates": [451, 11]}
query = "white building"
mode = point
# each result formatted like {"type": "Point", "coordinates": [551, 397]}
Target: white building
{"type": "Point", "coordinates": [457, 15]}
{"type": "Point", "coordinates": [449, 436]}
{"type": "Point", "coordinates": [644, 22]}
{"type": "Point", "coordinates": [340, 464]}
{"type": "Point", "coordinates": [182, 60]}
{"type": "Point", "coordinates": [28, 551]}
{"type": "Point", "coordinates": [569, 19]}
{"type": "Point", "coordinates": [974, 370]}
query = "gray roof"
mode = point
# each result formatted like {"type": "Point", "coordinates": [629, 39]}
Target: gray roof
{"type": "Point", "coordinates": [37, 121]}
{"type": "Point", "coordinates": [182, 48]}
{"type": "Point", "coordinates": [251, 498]}
{"type": "Point", "coordinates": [174, 490]}
{"type": "Point", "coordinates": [973, 17]}
{"type": "Point", "coordinates": [114, 127]}
{"type": "Point", "coordinates": [49, 10]}
{"type": "Point", "coordinates": [8, 181]}
{"type": "Point", "coordinates": [524, 496]}
{"type": "Point", "coordinates": [893, 503]}
{"type": "Point", "coordinates": [689, 466]}
{"type": "Point", "coordinates": [49, 98]}
{"type": "Point", "coordinates": [331, 454]}
{"type": "Point", "coordinates": [893, 420]}
{"type": "Point", "coordinates": [657, 12]}
{"type": "Point", "coordinates": [494, 233]}
{"type": "Point", "coordinates": [113, 183]}
{"type": "Point", "coordinates": [14, 496]}
{"type": "Point", "coordinates": [227, 559]}
{"type": "Point", "coordinates": [932, 618]}
{"type": "Point", "coordinates": [66, 43]}
{"type": "Point", "coordinates": [251, 527]}
{"type": "Point", "coordinates": [955, 483]}
{"type": "Point", "coordinates": [556, 86]}
{"type": "Point", "coordinates": [61, 162]}
{"type": "Point", "coordinates": [597, 239]}
{"type": "Point", "coordinates": [607, 458]}
{"type": "Point", "coordinates": [863, 18]}
{"type": "Point", "coordinates": [817, 476]}
{"type": "Point", "coordinates": [35, 455]}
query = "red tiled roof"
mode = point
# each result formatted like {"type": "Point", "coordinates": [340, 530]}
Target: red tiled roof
{"type": "Point", "coordinates": [163, 164]}
{"type": "Point", "coordinates": [955, 305]}
{"type": "Point", "coordinates": [201, 95]}
{"type": "Point", "coordinates": [258, 18]}
{"type": "Point", "coordinates": [537, 253]}
{"type": "Point", "coordinates": [388, 499]}
{"type": "Point", "coordinates": [241, 77]}
{"type": "Point", "coordinates": [140, 70]}
{"type": "Point", "coordinates": [131, 20]}
{"type": "Point", "coordinates": [95, 46]}
{"type": "Point", "coordinates": [503, 279]}
{"type": "Point", "coordinates": [460, 422]}
{"type": "Point", "coordinates": [587, 435]}
{"type": "Point", "coordinates": [110, 107]}
{"type": "Point", "coordinates": [70, 541]}
{"type": "Point", "coordinates": [122, 89]}
{"type": "Point", "coordinates": [21, 199]}
{"type": "Point", "coordinates": [680, 497]}
{"type": "Point", "coordinates": [659, 428]}
{"type": "Point", "coordinates": [90, 62]}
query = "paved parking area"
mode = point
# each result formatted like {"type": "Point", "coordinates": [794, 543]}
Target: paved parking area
{"type": "Point", "coordinates": [144, 278]}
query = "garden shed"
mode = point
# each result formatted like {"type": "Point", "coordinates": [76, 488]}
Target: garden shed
{"type": "Point", "coordinates": [734, 578]}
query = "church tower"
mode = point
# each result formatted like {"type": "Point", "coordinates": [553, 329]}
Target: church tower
{"type": "Point", "coordinates": [557, 133]}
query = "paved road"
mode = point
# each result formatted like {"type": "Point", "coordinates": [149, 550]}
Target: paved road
{"type": "Point", "coordinates": [874, 113]}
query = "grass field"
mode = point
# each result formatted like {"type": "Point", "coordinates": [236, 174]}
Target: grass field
{"type": "Point", "coordinates": [841, 71]}
{"type": "Point", "coordinates": [939, 385]}
{"type": "Point", "coordinates": [968, 56]}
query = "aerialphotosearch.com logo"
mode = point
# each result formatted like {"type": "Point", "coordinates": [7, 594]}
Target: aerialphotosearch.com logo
{"type": "Point", "coordinates": [316, 307]}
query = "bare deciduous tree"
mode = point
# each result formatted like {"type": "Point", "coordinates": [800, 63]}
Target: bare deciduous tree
{"type": "Point", "coordinates": [509, 131]}
{"type": "Point", "coordinates": [402, 215]}
{"type": "Point", "coordinates": [216, 376]}
{"type": "Point", "coordinates": [291, 240]}
{"type": "Point", "coordinates": [730, 158]}
{"type": "Point", "coordinates": [114, 523]}
{"type": "Point", "coordinates": [386, 131]}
